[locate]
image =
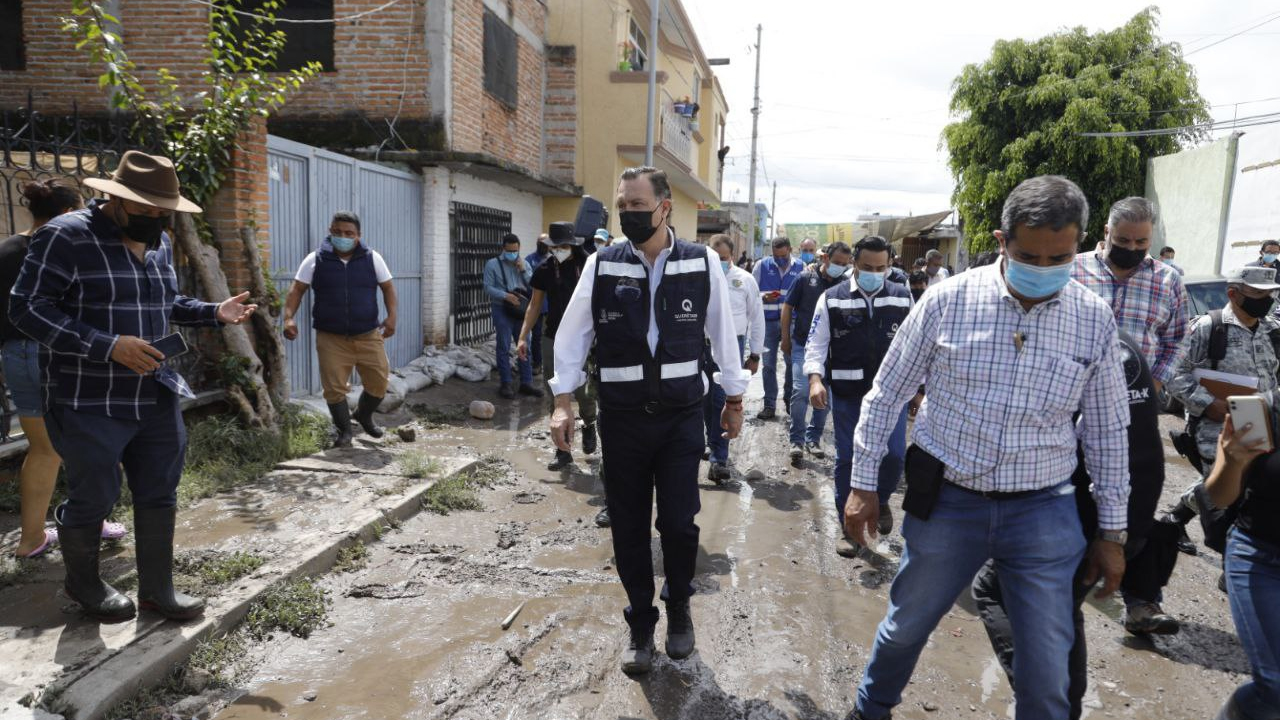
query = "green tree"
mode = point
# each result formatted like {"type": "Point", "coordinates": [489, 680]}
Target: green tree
{"type": "Point", "coordinates": [198, 131]}
{"type": "Point", "coordinates": [1021, 113]}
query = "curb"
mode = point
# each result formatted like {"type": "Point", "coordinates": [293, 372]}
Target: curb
{"type": "Point", "coordinates": [164, 645]}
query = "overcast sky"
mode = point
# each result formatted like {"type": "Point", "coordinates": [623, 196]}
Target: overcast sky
{"type": "Point", "coordinates": [854, 94]}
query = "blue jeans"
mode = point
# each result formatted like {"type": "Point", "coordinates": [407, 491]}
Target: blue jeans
{"type": "Point", "coordinates": [712, 406]}
{"type": "Point", "coordinates": [847, 410]}
{"type": "Point", "coordinates": [22, 375]}
{"type": "Point", "coordinates": [1036, 543]}
{"type": "Point", "coordinates": [800, 403]}
{"type": "Point", "coordinates": [769, 363]}
{"type": "Point", "coordinates": [1253, 584]}
{"type": "Point", "coordinates": [506, 330]}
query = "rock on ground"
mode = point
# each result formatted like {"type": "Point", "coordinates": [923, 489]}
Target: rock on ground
{"type": "Point", "coordinates": [481, 410]}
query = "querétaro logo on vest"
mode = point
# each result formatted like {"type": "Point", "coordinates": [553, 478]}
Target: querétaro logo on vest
{"type": "Point", "coordinates": [688, 315]}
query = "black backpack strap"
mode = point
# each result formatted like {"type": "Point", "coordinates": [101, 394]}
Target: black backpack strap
{"type": "Point", "coordinates": [1217, 338]}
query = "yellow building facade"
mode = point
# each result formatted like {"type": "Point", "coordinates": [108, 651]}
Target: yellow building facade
{"type": "Point", "coordinates": [610, 38]}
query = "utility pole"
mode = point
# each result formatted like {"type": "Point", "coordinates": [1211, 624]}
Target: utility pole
{"type": "Point", "coordinates": [655, 7]}
{"type": "Point", "coordinates": [756, 243]}
{"type": "Point", "coordinates": [773, 211]}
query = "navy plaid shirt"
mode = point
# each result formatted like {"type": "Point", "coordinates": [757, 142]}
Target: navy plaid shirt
{"type": "Point", "coordinates": [80, 289]}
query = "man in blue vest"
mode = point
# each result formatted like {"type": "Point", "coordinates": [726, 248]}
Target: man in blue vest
{"type": "Point", "coordinates": [775, 278]}
{"type": "Point", "coordinates": [346, 276]}
{"type": "Point", "coordinates": [853, 324]}
{"type": "Point", "coordinates": [648, 305]}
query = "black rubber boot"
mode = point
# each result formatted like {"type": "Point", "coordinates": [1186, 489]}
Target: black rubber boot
{"type": "Point", "coordinates": [364, 414]}
{"type": "Point", "coordinates": [562, 461]}
{"type": "Point", "coordinates": [153, 529]}
{"type": "Point", "coordinates": [589, 443]}
{"type": "Point", "coordinates": [341, 415]}
{"type": "Point", "coordinates": [679, 630]}
{"type": "Point", "coordinates": [80, 550]}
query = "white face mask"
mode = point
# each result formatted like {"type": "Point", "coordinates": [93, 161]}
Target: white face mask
{"type": "Point", "coordinates": [561, 254]}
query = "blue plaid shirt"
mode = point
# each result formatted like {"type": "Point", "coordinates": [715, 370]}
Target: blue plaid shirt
{"type": "Point", "coordinates": [79, 291]}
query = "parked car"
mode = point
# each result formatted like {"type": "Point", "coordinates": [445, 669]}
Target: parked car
{"type": "Point", "coordinates": [1203, 294]}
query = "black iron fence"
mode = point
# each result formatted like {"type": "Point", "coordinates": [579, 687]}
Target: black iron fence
{"type": "Point", "coordinates": [476, 233]}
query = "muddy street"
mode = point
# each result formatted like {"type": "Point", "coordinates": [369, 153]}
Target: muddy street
{"type": "Point", "coordinates": [784, 625]}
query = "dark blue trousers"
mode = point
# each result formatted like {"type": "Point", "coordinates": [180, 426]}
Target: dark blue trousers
{"type": "Point", "coordinates": [94, 446]}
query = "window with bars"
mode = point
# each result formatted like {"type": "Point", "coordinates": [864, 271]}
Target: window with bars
{"type": "Point", "coordinates": [13, 44]}
{"type": "Point", "coordinates": [304, 42]}
{"type": "Point", "coordinates": [501, 60]}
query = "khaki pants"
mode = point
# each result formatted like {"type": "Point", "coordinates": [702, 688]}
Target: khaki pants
{"type": "Point", "coordinates": [340, 354]}
{"type": "Point", "coordinates": [585, 395]}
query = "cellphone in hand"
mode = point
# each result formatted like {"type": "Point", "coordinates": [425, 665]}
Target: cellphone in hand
{"type": "Point", "coordinates": [1252, 410]}
{"type": "Point", "coordinates": [171, 345]}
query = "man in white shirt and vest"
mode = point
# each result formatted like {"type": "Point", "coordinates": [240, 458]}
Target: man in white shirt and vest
{"type": "Point", "coordinates": [649, 305]}
{"type": "Point", "coordinates": [1012, 352]}
{"type": "Point", "coordinates": [748, 322]}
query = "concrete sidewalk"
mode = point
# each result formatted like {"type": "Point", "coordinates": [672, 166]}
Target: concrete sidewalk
{"type": "Point", "coordinates": [297, 518]}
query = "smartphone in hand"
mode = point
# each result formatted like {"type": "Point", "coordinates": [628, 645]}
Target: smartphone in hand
{"type": "Point", "coordinates": [1252, 410]}
{"type": "Point", "coordinates": [171, 345]}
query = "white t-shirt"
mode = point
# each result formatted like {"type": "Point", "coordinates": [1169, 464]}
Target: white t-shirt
{"type": "Point", "coordinates": [942, 275]}
{"type": "Point", "coordinates": [307, 269]}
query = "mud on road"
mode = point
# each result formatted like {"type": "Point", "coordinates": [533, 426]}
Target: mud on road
{"type": "Point", "coordinates": [784, 625]}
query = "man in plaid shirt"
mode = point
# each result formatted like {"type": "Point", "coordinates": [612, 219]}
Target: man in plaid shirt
{"type": "Point", "coordinates": [97, 288]}
{"type": "Point", "coordinates": [1010, 353]}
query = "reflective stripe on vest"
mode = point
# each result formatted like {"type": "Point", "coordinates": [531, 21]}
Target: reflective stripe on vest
{"type": "Point", "coordinates": [679, 370]}
{"type": "Point", "coordinates": [892, 302]}
{"type": "Point", "coordinates": [849, 303]}
{"type": "Point", "coordinates": [620, 269]}
{"type": "Point", "coordinates": [635, 373]}
{"type": "Point", "coordinates": [846, 374]}
{"type": "Point", "coordinates": [774, 307]}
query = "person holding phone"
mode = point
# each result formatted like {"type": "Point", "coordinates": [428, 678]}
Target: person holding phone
{"type": "Point", "coordinates": [96, 289]}
{"type": "Point", "coordinates": [506, 282]}
{"type": "Point", "coordinates": [774, 277]}
{"type": "Point", "coordinates": [346, 276]}
{"type": "Point", "coordinates": [1247, 476]}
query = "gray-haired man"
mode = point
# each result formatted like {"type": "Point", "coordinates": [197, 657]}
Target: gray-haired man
{"type": "Point", "coordinates": [933, 261]}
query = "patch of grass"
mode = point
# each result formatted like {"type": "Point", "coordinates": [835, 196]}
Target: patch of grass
{"type": "Point", "coordinates": [212, 570]}
{"type": "Point", "coordinates": [439, 415]}
{"type": "Point", "coordinates": [459, 492]}
{"type": "Point", "coordinates": [415, 464]}
{"type": "Point", "coordinates": [50, 700]}
{"type": "Point", "coordinates": [221, 657]}
{"type": "Point", "coordinates": [351, 558]}
{"type": "Point", "coordinates": [298, 607]}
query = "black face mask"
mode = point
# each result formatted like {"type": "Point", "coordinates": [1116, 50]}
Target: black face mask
{"type": "Point", "coordinates": [916, 293]}
{"type": "Point", "coordinates": [145, 229]}
{"type": "Point", "coordinates": [1257, 307]}
{"type": "Point", "coordinates": [638, 225]}
{"type": "Point", "coordinates": [1124, 258]}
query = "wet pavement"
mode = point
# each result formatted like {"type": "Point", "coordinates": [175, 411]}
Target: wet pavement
{"type": "Point", "coordinates": [784, 625]}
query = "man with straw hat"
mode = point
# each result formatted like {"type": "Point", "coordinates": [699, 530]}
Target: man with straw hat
{"type": "Point", "coordinates": [97, 288]}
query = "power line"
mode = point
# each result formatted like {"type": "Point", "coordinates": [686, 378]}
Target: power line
{"type": "Point", "coordinates": [1272, 19]}
{"type": "Point", "coordinates": [1249, 121]}
{"type": "Point", "coordinates": [322, 21]}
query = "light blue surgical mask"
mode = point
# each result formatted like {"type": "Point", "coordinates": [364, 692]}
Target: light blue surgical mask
{"type": "Point", "coordinates": [1269, 257]}
{"type": "Point", "coordinates": [807, 257]}
{"type": "Point", "coordinates": [837, 271]}
{"type": "Point", "coordinates": [870, 282]}
{"type": "Point", "coordinates": [510, 256]}
{"type": "Point", "coordinates": [1035, 282]}
{"type": "Point", "coordinates": [342, 244]}
{"type": "Point", "coordinates": [725, 265]}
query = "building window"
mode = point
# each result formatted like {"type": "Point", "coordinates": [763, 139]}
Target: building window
{"type": "Point", "coordinates": [304, 42]}
{"type": "Point", "coordinates": [501, 59]}
{"type": "Point", "coordinates": [13, 55]}
{"type": "Point", "coordinates": [697, 89]}
{"type": "Point", "coordinates": [639, 47]}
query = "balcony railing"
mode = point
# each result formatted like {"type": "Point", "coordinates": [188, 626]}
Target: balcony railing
{"type": "Point", "coordinates": [677, 132]}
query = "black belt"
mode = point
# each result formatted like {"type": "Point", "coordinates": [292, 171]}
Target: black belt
{"type": "Point", "coordinates": [998, 494]}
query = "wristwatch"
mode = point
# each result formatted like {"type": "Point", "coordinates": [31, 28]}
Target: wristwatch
{"type": "Point", "coordinates": [1120, 537]}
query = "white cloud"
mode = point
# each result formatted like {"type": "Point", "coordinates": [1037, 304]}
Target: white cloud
{"type": "Point", "coordinates": [855, 94]}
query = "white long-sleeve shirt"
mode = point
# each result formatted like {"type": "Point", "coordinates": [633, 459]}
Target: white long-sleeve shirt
{"type": "Point", "coordinates": [815, 349]}
{"type": "Point", "coordinates": [748, 308]}
{"type": "Point", "coordinates": [577, 331]}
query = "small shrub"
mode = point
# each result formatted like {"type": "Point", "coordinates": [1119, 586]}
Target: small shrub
{"type": "Point", "coordinates": [298, 607]}
{"type": "Point", "coordinates": [415, 464]}
{"type": "Point", "coordinates": [352, 557]}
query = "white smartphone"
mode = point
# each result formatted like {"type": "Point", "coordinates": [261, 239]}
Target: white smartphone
{"type": "Point", "coordinates": [1252, 410]}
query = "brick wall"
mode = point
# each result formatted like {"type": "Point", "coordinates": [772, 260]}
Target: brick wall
{"type": "Point", "coordinates": [241, 202]}
{"type": "Point", "coordinates": [560, 119]}
{"type": "Point", "coordinates": [481, 123]}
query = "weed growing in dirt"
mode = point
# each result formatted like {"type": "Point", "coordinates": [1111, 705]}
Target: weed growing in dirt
{"type": "Point", "coordinates": [351, 558]}
{"type": "Point", "coordinates": [223, 454]}
{"type": "Point", "coordinates": [49, 700]}
{"type": "Point", "coordinates": [459, 492]}
{"type": "Point", "coordinates": [213, 569]}
{"type": "Point", "coordinates": [298, 607]}
{"type": "Point", "coordinates": [415, 464]}
{"type": "Point", "coordinates": [438, 415]}
{"type": "Point", "coordinates": [220, 657]}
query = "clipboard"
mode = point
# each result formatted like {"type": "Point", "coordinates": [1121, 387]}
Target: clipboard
{"type": "Point", "coordinates": [1223, 385]}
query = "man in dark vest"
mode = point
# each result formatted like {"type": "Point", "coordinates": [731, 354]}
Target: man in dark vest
{"type": "Point", "coordinates": [647, 305]}
{"type": "Point", "coordinates": [346, 276]}
{"type": "Point", "coordinates": [853, 324]}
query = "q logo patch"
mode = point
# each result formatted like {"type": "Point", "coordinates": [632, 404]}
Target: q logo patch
{"type": "Point", "coordinates": [687, 305]}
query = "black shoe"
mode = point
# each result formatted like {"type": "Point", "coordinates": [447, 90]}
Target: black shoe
{"type": "Point", "coordinates": [531, 391]}
{"type": "Point", "coordinates": [884, 525]}
{"type": "Point", "coordinates": [537, 370]}
{"type": "Point", "coordinates": [364, 414]}
{"type": "Point", "coordinates": [341, 415]}
{"type": "Point", "coordinates": [680, 639]}
{"type": "Point", "coordinates": [153, 530]}
{"type": "Point", "coordinates": [1186, 545]}
{"type": "Point", "coordinates": [847, 547]}
{"type": "Point", "coordinates": [718, 473]}
{"type": "Point", "coordinates": [562, 461]}
{"type": "Point", "coordinates": [767, 414]}
{"type": "Point", "coordinates": [1149, 619]}
{"type": "Point", "coordinates": [815, 450]}
{"type": "Point", "coordinates": [706, 454]}
{"type": "Point", "coordinates": [589, 443]}
{"type": "Point", "coordinates": [797, 455]}
{"type": "Point", "coordinates": [80, 549]}
{"type": "Point", "coordinates": [506, 392]}
{"type": "Point", "coordinates": [637, 659]}
{"type": "Point", "coordinates": [602, 518]}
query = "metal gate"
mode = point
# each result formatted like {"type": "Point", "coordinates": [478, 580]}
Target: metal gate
{"type": "Point", "coordinates": [477, 233]}
{"type": "Point", "coordinates": [308, 185]}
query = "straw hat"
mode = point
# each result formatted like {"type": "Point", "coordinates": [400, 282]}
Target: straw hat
{"type": "Point", "coordinates": [147, 179]}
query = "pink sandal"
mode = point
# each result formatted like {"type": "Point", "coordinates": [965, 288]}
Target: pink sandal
{"type": "Point", "coordinates": [113, 530]}
{"type": "Point", "coordinates": [50, 539]}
